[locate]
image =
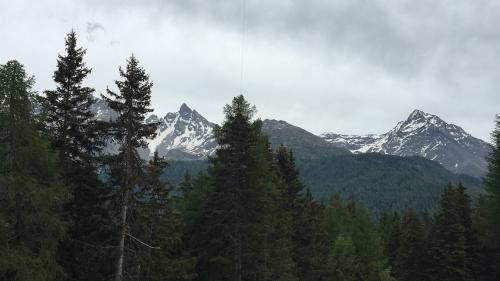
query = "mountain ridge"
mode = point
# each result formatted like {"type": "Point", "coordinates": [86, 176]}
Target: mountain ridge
{"type": "Point", "coordinates": [187, 135]}
{"type": "Point", "coordinates": [426, 135]}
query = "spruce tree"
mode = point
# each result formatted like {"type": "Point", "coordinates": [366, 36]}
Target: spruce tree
{"type": "Point", "coordinates": [410, 253]}
{"type": "Point", "coordinates": [31, 193]}
{"type": "Point", "coordinates": [306, 231]}
{"type": "Point", "coordinates": [487, 219]}
{"type": "Point", "coordinates": [75, 137]}
{"type": "Point", "coordinates": [129, 130]}
{"type": "Point", "coordinates": [449, 245]}
{"type": "Point", "coordinates": [68, 107]}
{"type": "Point", "coordinates": [300, 215]}
{"type": "Point", "coordinates": [234, 242]}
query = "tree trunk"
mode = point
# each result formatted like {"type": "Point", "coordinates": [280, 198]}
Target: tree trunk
{"type": "Point", "coordinates": [123, 233]}
{"type": "Point", "coordinates": [121, 247]}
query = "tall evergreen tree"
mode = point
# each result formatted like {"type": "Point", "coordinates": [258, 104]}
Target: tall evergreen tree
{"type": "Point", "coordinates": [31, 193]}
{"type": "Point", "coordinates": [237, 221]}
{"type": "Point", "coordinates": [306, 228]}
{"type": "Point", "coordinates": [487, 219]}
{"type": "Point", "coordinates": [410, 253]}
{"type": "Point", "coordinates": [68, 107]}
{"type": "Point", "coordinates": [75, 137]}
{"type": "Point", "coordinates": [129, 130]}
{"type": "Point", "coordinates": [449, 245]}
{"type": "Point", "coordinates": [300, 214]}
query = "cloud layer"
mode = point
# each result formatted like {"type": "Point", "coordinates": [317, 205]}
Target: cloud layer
{"type": "Point", "coordinates": [345, 66]}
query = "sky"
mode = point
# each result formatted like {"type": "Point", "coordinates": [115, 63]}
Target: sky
{"type": "Point", "coordinates": [353, 66]}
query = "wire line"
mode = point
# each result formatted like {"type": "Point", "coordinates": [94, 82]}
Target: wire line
{"type": "Point", "coordinates": [243, 35]}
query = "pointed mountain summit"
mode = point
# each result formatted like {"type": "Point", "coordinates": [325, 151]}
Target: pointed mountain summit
{"type": "Point", "coordinates": [183, 135]}
{"type": "Point", "coordinates": [426, 135]}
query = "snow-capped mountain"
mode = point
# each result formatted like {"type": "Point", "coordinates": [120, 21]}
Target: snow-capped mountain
{"type": "Point", "coordinates": [184, 134]}
{"type": "Point", "coordinates": [426, 135]}
{"type": "Point", "coordinates": [181, 135]}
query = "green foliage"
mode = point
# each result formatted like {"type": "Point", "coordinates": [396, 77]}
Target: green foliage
{"type": "Point", "coordinates": [31, 194]}
{"type": "Point", "coordinates": [378, 182]}
{"type": "Point", "coordinates": [76, 139]}
{"type": "Point", "coordinates": [342, 261]}
{"type": "Point", "coordinates": [156, 245]}
{"type": "Point", "coordinates": [382, 182]}
{"type": "Point", "coordinates": [487, 218]}
{"type": "Point", "coordinates": [350, 220]}
{"type": "Point", "coordinates": [407, 264]}
{"type": "Point", "coordinates": [129, 130]}
{"type": "Point", "coordinates": [390, 231]}
{"type": "Point", "coordinates": [237, 222]}
{"type": "Point", "coordinates": [449, 243]}
{"type": "Point", "coordinates": [68, 107]}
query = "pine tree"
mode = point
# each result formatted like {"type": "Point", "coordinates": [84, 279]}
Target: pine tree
{"type": "Point", "coordinates": [234, 242]}
{"type": "Point", "coordinates": [31, 193]}
{"type": "Point", "coordinates": [129, 130]}
{"type": "Point", "coordinates": [410, 253]}
{"type": "Point", "coordinates": [306, 230]}
{"type": "Point", "coordinates": [75, 137]}
{"type": "Point", "coordinates": [299, 213]}
{"type": "Point", "coordinates": [449, 246]}
{"type": "Point", "coordinates": [487, 219]}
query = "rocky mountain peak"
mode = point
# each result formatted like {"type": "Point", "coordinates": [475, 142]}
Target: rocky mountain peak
{"type": "Point", "coordinates": [185, 110]}
{"type": "Point", "coordinates": [426, 135]}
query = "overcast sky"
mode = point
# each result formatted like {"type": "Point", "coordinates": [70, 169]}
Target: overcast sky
{"type": "Point", "coordinates": [349, 66]}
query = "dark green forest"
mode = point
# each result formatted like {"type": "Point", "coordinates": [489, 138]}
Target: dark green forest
{"type": "Point", "coordinates": [378, 182]}
{"type": "Point", "coordinates": [251, 212]}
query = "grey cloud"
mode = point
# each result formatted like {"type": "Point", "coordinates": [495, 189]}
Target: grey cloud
{"type": "Point", "coordinates": [346, 61]}
{"type": "Point", "coordinates": [402, 36]}
{"type": "Point", "coordinates": [92, 28]}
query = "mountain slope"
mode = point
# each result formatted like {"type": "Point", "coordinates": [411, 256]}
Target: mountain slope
{"type": "Point", "coordinates": [305, 144]}
{"type": "Point", "coordinates": [426, 135]}
{"type": "Point", "coordinates": [383, 182]}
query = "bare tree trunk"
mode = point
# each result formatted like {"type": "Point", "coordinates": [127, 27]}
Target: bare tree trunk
{"type": "Point", "coordinates": [121, 246]}
{"type": "Point", "coordinates": [123, 233]}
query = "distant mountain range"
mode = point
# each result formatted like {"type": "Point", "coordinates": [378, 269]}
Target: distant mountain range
{"type": "Point", "coordinates": [357, 167]}
{"type": "Point", "coordinates": [187, 135]}
{"type": "Point", "coordinates": [425, 135]}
